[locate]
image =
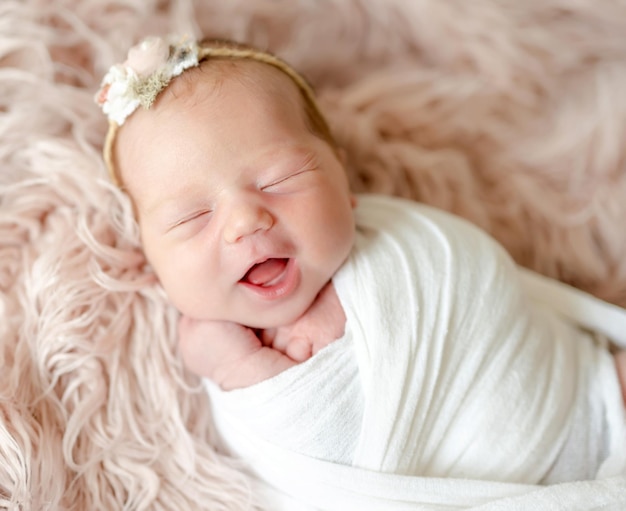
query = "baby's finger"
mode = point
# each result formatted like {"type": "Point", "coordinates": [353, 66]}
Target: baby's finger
{"type": "Point", "coordinates": [299, 349]}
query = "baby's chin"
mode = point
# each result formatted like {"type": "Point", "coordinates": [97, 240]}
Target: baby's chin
{"type": "Point", "coordinates": [263, 322]}
{"type": "Point", "coordinates": [279, 315]}
{"type": "Point", "coordinates": [273, 322]}
{"type": "Point", "coordinates": [284, 316]}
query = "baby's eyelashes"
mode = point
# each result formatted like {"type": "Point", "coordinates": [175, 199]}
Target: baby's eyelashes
{"type": "Point", "coordinates": [284, 175]}
{"type": "Point", "coordinates": [192, 218]}
{"type": "Point", "coordinates": [286, 183]}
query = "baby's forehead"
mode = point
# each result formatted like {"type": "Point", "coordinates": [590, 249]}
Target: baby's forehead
{"type": "Point", "coordinates": [273, 92]}
{"type": "Point", "coordinates": [221, 72]}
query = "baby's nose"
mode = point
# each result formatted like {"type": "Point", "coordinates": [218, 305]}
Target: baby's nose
{"type": "Point", "coordinates": [246, 219]}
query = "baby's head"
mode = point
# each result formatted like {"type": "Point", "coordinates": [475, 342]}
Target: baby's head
{"type": "Point", "coordinates": [243, 204]}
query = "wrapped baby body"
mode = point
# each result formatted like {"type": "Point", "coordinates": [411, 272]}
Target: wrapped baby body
{"type": "Point", "coordinates": [450, 366]}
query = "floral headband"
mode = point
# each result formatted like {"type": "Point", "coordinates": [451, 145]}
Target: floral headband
{"type": "Point", "coordinates": [155, 61]}
{"type": "Point", "coordinates": [147, 71]}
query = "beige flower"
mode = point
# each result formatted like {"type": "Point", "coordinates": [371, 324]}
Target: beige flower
{"type": "Point", "coordinates": [148, 56]}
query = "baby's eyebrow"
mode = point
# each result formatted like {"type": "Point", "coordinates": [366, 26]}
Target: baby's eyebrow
{"type": "Point", "coordinates": [293, 158]}
{"type": "Point", "coordinates": [288, 151]}
{"type": "Point", "coordinates": [175, 198]}
{"type": "Point", "coordinates": [168, 211]}
{"type": "Point", "coordinates": [157, 206]}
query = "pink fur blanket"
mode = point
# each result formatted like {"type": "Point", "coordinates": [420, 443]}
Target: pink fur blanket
{"type": "Point", "coordinates": [510, 113]}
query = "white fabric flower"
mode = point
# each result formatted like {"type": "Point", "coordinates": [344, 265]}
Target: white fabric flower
{"type": "Point", "coordinates": [119, 101]}
{"type": "Point", "coordinates": [148, 69]}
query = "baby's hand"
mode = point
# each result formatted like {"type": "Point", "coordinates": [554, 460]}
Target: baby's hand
{"type": "Point", "coordinates": [227, 353]}
{"type": "Point", "coordinates": [233, 356]}
{"type": "Point", "coordinates": [322, 324]}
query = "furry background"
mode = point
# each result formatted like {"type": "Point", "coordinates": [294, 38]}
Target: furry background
{"type": "Point", "coordinates": [509, 113]}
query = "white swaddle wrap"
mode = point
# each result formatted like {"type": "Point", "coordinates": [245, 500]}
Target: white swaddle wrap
{"type": "Point", "coordinates": [448, 368]}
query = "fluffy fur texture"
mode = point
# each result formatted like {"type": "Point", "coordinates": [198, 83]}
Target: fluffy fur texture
{"type": "Point", "coordinates": [509, 113]}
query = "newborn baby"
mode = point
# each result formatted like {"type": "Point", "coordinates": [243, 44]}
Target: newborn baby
{"type": "Point", "coordinates": [383, 335]}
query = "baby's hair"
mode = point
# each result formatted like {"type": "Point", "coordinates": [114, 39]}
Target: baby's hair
{"type": "Point", "coordinates": [221, 49]}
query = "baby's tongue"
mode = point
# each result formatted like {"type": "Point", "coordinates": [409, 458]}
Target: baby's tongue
{"type": "Point", "coordinates": [265, 272]}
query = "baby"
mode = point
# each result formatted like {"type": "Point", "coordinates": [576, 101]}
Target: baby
{"type": "Point", "coordinates": [384, 335]}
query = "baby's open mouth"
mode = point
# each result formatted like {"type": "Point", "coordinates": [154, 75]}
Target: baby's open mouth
{"type": "Point", "coordinates": [267, 273]}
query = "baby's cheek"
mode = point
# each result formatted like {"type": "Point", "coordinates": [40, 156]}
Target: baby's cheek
{"type": "Point", "coordinates": [183, 280]}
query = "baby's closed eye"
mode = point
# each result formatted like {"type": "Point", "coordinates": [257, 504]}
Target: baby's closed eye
{"type": "Point", "coordinates": [191, 223]}
{"type": "Point", "coordinates": [286, 183]}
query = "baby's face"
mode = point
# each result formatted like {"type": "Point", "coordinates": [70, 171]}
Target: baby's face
{"type": "Point", "coordinates": [244, 213]}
